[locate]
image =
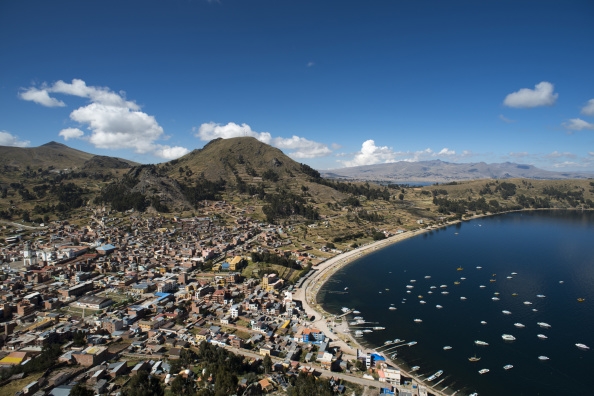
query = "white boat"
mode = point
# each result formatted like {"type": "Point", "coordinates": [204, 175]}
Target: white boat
{"type": "Point", "coordinates": [346, 288]}
{"type": "Point", "coordinates": [543, 357]}
{"type": "Point", "coordinates": [483, 371]}
{"type": "Point", "coordinates": [411, 343]}
{"type": "Point", "coordinates": [506, 312]}
{"type": "Point", "coordinates": [388, 342]}
{"type": "Point", "coordinates": [379, 328]}
{"type": "Point", "coordinates": [542, 336]}
{"type": "Point", "coordinates": [561, 282]}
{"type": "Point", "coordinates": [445, 292]}
{"type": "Point", "coordinates": [345, 309]}
{"type": "Point", "coordinates": [527, 303]}
{"type": "Point", "coordinates": [534, 310]}
{"type": "Point", "coordinates": [430, 292]}
{"type": "Point", "coordinates": [508, 337]}
{"type": "Point", "coordinates": [514, 273]}
{"type": "Point", "coordinates": [495, 298]}
{"type": "Point", "coordinates": [392, 308]}
{"type": "Point", "coordinates": [543, 324]}
{"type": "Point", "coordinates": [496, 293]}
{"type": "Point", "coordinates": [367, 331]}
{"type": "Point", "coordinates": [443, 286]}
{"type": "Point", "coordinates": [508, 367]}
{"type": "Point", "coordinates": [479, 267]}
{"type": "Point", "coordinates": [358, 333]}
{"type": "Point", "coordinates": [433, 287]}
{"type": "Point", "coordinates": [447, 348]}
{"type": "Point", "coordinates": [418, 320]}
{"type": "Point", "coordinates": [408, 291]}
{"type": "Point", "coordinates": [519, 325]}
{"type": "Point", "coordinates": [462, 298]}
{"type": "Point", "coordinates": [414, 368]}
{"type": "Point", "coordinates": [435, 376]}
{"type": "Point", "coordinates": [428, 277]}
{"type": "Point", "coordinates": [482, 286]}
{"type": "Point", "coordinates": [582, 346]}
{"type": "Point", "coordinates": [422, 302]}
{"type": "Point", "coordinates": [356, 312]}
{"type": "Point", "coordinates": [540, 296]}
{"type": "Point", "coordinates": [438, 306]}
{"type": "Point", "coordinates": [463, 278]}
{"type": "Point", "coordinates": [409, 286]}
{"type": "Point", "coordinates": [483, 322]}
{"type": "Point", "coordinates": [483, 343]}
{"type": "Point", "coordinates": [413, 280]}
{"type": "Point", "coordinates": [358, 318]}
{"type": "Point", "coordinates": [397, 340]}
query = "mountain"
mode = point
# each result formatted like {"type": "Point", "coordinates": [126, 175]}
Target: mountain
{"type": "Point", "coordinates": [56, 155]}
{"type": "Point", "coordinates": [440, 171]}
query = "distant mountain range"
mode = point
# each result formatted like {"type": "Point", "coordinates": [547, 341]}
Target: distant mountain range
{"type": "Point", "coordinates": [438, 171]}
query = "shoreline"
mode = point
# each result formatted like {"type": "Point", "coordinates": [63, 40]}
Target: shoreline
{"type": "Point", "coordinates": [310, 288]}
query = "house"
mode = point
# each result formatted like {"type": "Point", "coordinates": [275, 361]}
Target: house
{"type": "Point", "coordinates": [311, 335]}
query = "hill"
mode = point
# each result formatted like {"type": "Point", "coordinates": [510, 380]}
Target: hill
{"type": "Point", "coordinates": [440, 171]}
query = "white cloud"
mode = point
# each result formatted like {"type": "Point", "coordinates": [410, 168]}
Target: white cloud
{"type": "Point", "coordinates": [505, 119]}
{"type": "Point", "coordinates": [541, 95]}
{"type": "Point", "coordinates": [568, 164]}
{"type": "Point", "coordinates": [591, 153]}
{"type": "Point", "coordinates": [168, 152]}
{"type": "Point", "coordinates": [310, 64]}
{"type": "Point", "coordinates": [447, 152]}
{"type": "Point", "coordinates": [371, 154]}
{"type": "Point", "coordinates": [114, 122]}
{"type": "Point", "coordinates": [41, 96]}
{"type": "Point", "coordinates": [557, 154]}
{"type": "Point", "coordinates": [577, 124]}
{"type": "Point", "coordinates": [71, 133]}
{"type": "Point", "coordinates": [588, 109]}
{"type": "Point", "coordinates": [8, 139]}
{"type": "Point", "coordinates": [298, 147]}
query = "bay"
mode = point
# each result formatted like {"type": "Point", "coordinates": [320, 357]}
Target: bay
{"type": "Point", "coordinates": [552, 253]}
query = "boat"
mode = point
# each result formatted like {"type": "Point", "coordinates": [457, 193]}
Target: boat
{"type": "Point", "coordinates": [459, 268]}
{"type": "Point", "coordinates": [474, 359]}
{"type": "Point", "coordinates": [519, 325]}
{"type": "Point", "coordinates": [473, 394]}
{"type": "Point", "coordinates": [392, 308]}
{"type": "Point", "coordinates": [428, 277]}
{"type": "Point", "coordinates": [463, 278]}
{"type": "Point", "coordinates": [561, 282]}
{"type": "Point", "coordinates": [356, 312]}
{"type": "Point", "coordinates": [492, 280]}
{"type": "Point", "coordinates": [483, 371]}
{"type": "Point", "coordinates": [388, 342]}
{"type": "Point", "coordinates": [435, 376]}
{"type": "Point", "coordinates": [394, 355]}
{"type": "Point", "coordinates": [508, 337]}
{"type": "Point", "coordinates": [506, 312]}
{"type": "Point", "coordinates": [414, 368]}
{"type": "Point", "coordinates": [543, 357]}
{"type": "Point", "coordinates": [509, 277]}
{"type": "Point", "coordinates": [542, 336]}
{"type": "Point", "coordinates": [462, 298]}
{"type": "Point", "coordinates": [345, 309]}
{"type": "Point", "coordinates": [496, 293]}
{"type": "Point", "coordinates": [483, 343]}
{"type": "Point", "coordinates": [430, 292]}
{"type": "Point", "coordinates": [443, 286]}
{"type": "Point", "coordinates": [367, 331]}
{"type": "Point", "coordinates": [543, 324]}
{"type": "Point", "coordinates": [358, 318]}
{"type": "Point", "coordinates": [540, 296]}
{"type": "Point", "coordinates": [358, 333]}
{"type": "Point", "coordinates": [495, 298]}
{"type": "Point", "coordinates": [456, 282]}
{"type": "Point", "coordinates": [346, 288]}
{"type": "Point", "coordinates": [479, 267]}
{"type": "Point", "coordinates": [438, 306]}
{"type": "Point", "coordinates": [409, 286]}
{"type": "Point", "coordinates": [483, 322]}
{"type": "Point", "coordinates": [433, 287]}
{"type": "Point", "coordinates": [508, 367]}
{"type": "Point", "coordinates": [397, 340]}
{"type": "Point", "coordinates": [411, 343]}
{"type": "Point", "coordinates": [514, 273]}
{"type": "Point", "coordinates": [422, 302]}
{"type": "Point", "coordinates": [447, 348]}
{"type": "Point", "coordinates": [582, 346]}
{"type": "Point", "coordinates": [527, 303]}
{"type": "Point", "coordinates": [418, 320]}
{"type": "Point", "coordinates": [420, 296]}
{"type": "Point", "coordinates": [581, 299]}
{"type": "Point", "coordinates": [534, 310]}
{"type": "Point", "coordinates": [482, 286]}
{"type": "Point", "coordinates": [378, 328]}
{"type": "Point", "coordinates": [413, 280]}
{"type": "Point", "coordinates": [514, 294]}
{"type": "Point", "coordinates": [445, 292]}
{"type": "Point", "coordinates": [408, 291]}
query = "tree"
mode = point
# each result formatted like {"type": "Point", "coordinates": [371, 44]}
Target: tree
{"type": "Point", "coordinates": [401, 197]}
{"type": "Point", "coordinates": [267, 363]}
{"type": "Point", "coordinates": [183, 386]}
{"type": "Point", "coordinates": [142, 384]}
{"type": "Point", "coordinates": [79, 390]}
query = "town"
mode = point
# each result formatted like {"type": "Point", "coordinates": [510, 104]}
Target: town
{"type": "Point", "coordinates": [114, 297]}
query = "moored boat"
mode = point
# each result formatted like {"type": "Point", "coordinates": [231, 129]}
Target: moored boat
{"type": "Point", "coordinates": [543, 324]}
{"type": "Point", "coordinates": [508, 337]}
{"type": "Point", "coordinates": [508, 367]}
{"type": "Point", "coordinates": [542, 357]}
{"type": "Point", "coordinates": [519, 325]}
{"type": "Point", "coordinates": [506, 312]}
{"type": "Point", "coordinates": [414, 368]}
{"type": "Point", "coordinates": [435, 376]}
{"type": "Point", "coordinates": [483, 371]}
{"type": "Point", "coordinates": [527, 303]}
{"type": "Point", "coordinates": [418, 320]}
{"type": "Point", "coordinates": [392, 308]}
{"type": "Point", "coordinates": [582, 346]}
{"type": "Point", "coordinates": [540, 296]}
{"type": "Point", "coordinates": [542, 336]}
{"type": "Point", "coordinates": [438, 306]}
{"type": "Point", "coordinates": [447, 348]}
{"type": "Point", "coordinates": [474, 359]}
{"type": "Point", "coordinates": [479, 342]}
{"type": "Point", "coordinates": [411, 343]}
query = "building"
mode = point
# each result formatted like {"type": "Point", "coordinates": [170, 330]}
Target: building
{"type": "Point", "coordinates": [93, 302]}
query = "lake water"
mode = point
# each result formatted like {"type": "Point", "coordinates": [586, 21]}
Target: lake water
{"type": "Point", "coordinates": [552, 253]}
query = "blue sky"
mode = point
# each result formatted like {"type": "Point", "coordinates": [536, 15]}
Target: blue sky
{"type": "Point", "coordinates": [331, 83]}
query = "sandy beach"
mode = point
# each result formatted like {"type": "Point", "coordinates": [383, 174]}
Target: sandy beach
{"type": "Point", "coordinates": [324, 321]}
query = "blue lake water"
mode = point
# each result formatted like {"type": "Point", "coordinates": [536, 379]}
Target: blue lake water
{"type": "Point", "coordinates": [544, 248]}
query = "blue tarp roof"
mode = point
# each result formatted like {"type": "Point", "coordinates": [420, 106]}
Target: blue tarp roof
{"type": "Point", "coordinates": [375, 356]}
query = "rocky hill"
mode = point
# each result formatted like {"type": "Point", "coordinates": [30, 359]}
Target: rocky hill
{"type": "Point", "coordinates": [440, 171]}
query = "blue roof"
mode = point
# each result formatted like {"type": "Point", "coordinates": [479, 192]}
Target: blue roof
{"type": "Point", "coordinates": [106, 247]}
{"type": "Point", "coordinates": [375, 356]}
{"type": "Point", "coordinates": [161, 294]}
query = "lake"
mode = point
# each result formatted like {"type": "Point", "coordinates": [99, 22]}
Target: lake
{"type": "Point", "coordinates": [552, 254]}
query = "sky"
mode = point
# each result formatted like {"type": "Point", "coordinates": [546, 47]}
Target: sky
{"type": "Point", "coordinates": [330, 83]}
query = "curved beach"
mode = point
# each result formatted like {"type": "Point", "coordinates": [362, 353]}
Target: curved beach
{"type": "Point", "coordinates": [307, 293]}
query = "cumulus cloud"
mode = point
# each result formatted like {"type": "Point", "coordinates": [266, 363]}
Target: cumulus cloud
{"type": "Point", "coordinates": [446, 152]}
{"type": "Point", "coordinates": [371, 154]}
{"type": "Point", "coordinates": [541, 95]}
{"type": "Point", "coordinates": [577, 124]}
{"type": "Point", "coordinates": [41, 96]}
{"type": "Point", "coordinates": [8, 139]}
{"type": "Point", "coordinates": [505, 119]}
{"type": "Point", "coordinates": [71, 133]}
{"type": "Point", "coordinates": [298, 147]}
{"type": "Point", "coordinates": [588, 109]}
{"type": "Point", "coordinates": [113, 121]}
